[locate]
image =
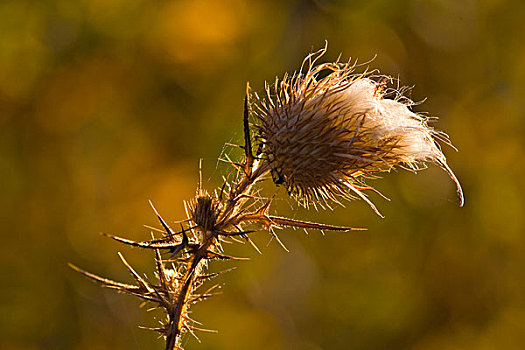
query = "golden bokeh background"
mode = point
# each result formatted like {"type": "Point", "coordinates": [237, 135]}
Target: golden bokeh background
{"type": "Point", "coordinates": [105, 104]}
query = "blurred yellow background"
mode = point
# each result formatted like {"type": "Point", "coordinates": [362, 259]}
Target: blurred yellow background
{"type": "Point", "coordinates": [105, 104]}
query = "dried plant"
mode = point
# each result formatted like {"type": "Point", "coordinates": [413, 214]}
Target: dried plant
{"type": "Point", "coordinates": [322, 136]}
{"type": "Point", "coordinates": [320, 133]}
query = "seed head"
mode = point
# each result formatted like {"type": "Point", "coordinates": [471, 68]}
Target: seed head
{"type": "Point", "coordinates": [323, 131]}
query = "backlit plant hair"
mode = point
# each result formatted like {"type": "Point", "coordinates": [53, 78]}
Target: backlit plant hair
{"type": "Point", "coordinates": [320, 133]}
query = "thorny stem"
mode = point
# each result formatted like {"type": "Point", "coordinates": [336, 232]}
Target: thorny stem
{"type": "Point", "coordinates": [241, 193]}
{"type": "Point", "coordinates": [176, 317]}
{"type": "Point", "coordinates": [252, 169]}
{"type": "Point", "coordinates": [239, 196]}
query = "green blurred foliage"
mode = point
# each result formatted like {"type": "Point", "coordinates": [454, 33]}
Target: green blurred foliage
{"type": "Point", "coordinates": [105, 104]}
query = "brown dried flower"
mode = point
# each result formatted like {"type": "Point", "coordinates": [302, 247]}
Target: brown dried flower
{"type": "Point", "coordinates": [324, 130]}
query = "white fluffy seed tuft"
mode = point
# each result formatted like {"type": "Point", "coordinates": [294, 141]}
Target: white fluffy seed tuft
{"type": "Point", "coordinates": [321, 136]}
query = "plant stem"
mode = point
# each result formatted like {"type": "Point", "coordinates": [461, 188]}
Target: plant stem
{"type": "Point", "coordinates": [196, 265]}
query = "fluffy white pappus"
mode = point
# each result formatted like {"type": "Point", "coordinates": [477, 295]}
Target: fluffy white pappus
{"type": "Point", "coordinates": [387, 118]}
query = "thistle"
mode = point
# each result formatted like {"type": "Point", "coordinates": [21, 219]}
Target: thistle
{"type": "Point", "coordinates": [321, 136]}
{"type": "Point", "coordinates": [318, 136]}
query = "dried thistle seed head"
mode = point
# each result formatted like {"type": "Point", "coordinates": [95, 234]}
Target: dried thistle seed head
{"type": "Point", "coordinates": [204, 211]}
{"type": "Point", "coordinates": [321, 136]}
